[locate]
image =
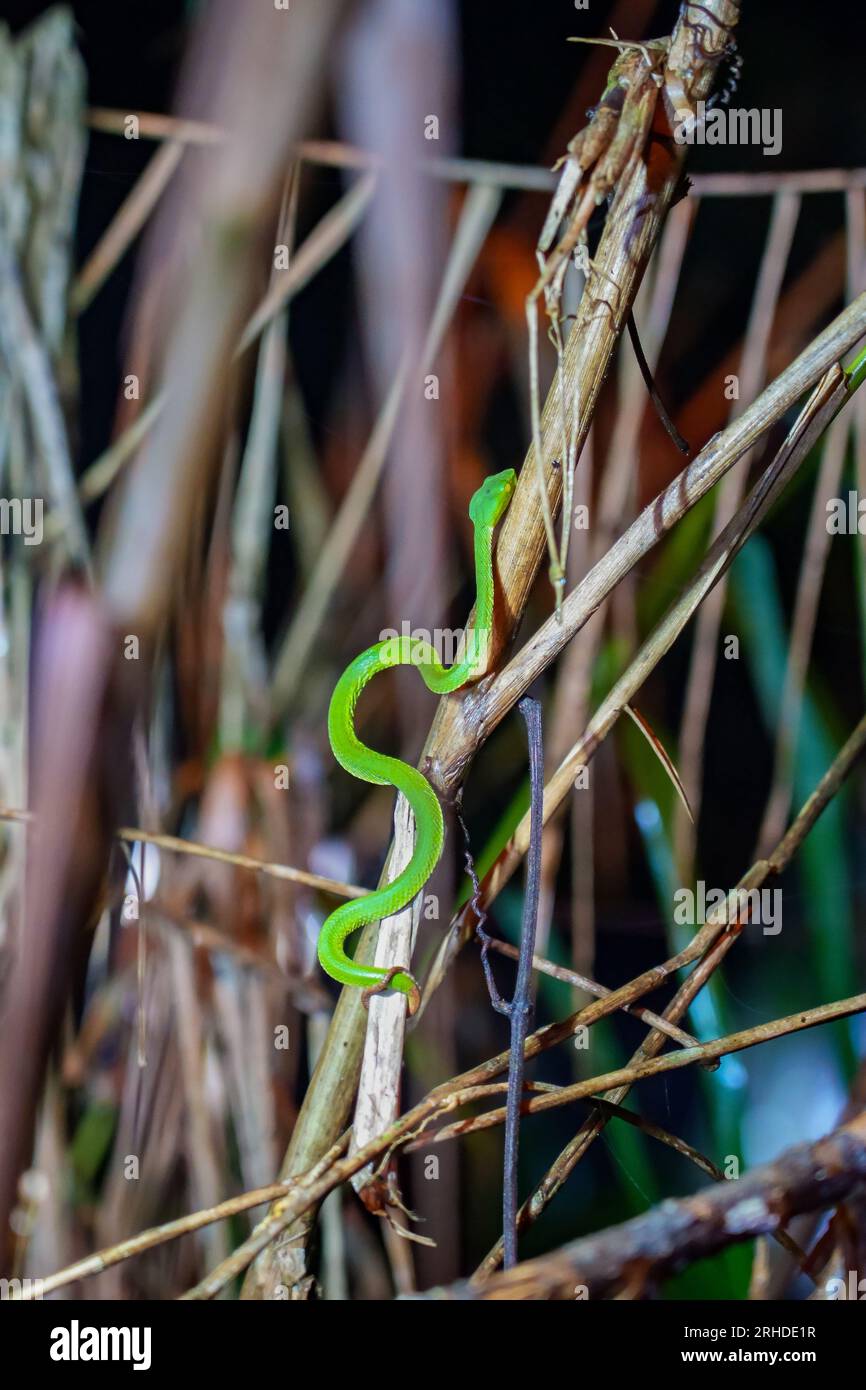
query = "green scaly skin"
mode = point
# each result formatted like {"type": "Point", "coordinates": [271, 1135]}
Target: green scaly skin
{"type": "Point", "coordinates": [485, 510]}
{"type": "Point", "coordinates": [855, 372]}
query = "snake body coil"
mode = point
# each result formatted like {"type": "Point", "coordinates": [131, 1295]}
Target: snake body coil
{"type": "Point", "coordinates": [485, 510]}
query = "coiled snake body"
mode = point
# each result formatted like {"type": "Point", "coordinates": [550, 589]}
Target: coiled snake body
{"type": "Point", "coordinates": [485, 510]}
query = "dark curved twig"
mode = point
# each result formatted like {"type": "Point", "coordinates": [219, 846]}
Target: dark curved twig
{"type": "Point", "coordinates": [520, 1009]}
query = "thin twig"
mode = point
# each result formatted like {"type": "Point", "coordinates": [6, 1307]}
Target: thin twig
{"type": "Point", "coordinates": [308, 1191]}
{"type": "Point", "coordinates": [244, 861]}
{"type": "Point", "coordinates": [464, 1088]}
{"type": "Point", "coordinates": [528, 178]}
{"type": "Point", "coordinates": [324, 241]}
{"type": "Point", "coordinates": [673, 1141]}
{"type": "Point", "coordinates": [807, 1178]}
{"type": "Point", "coordinates": [579, 981]}
{"type": "Point", "coordinates": [752, 373]}
{"type": "Point", "coordinates": [126, 225]}
{"type": "Point", "coordinates": [811, 576]}
{"type": "Point", "coordinates": [158, 1235]}
{"type": "Point", "coordinates": [520, 1008]}
{"type": "Point", "coordinates": [688, 990]}
{"type": "Point", "coordinates": [653, 1066]}
{"type": "Point", "coordinates": [661, 410]}
{"type": "Point", "coordinates": [222, 856]}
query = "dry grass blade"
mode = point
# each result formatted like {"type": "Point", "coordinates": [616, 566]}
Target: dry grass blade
{"type": "Point", "coordinates": [815, 556]}
{"type": "Point", "coordinates": [127, 224]}
{"type": "Point", "coordinates": [243, 861]}
{"type": "Point", "coordinates": [329, 235]}
{"type": "Point", "coordinates": [477, 215]}
{"type": "Point", "coordinates": [752, 373]}
{"type": "Point", "coordinates": [661, 753]}
{"type": "Point", "coordinates": [176, 845]}
{"type": "Point", "coordinates": [482, 709]}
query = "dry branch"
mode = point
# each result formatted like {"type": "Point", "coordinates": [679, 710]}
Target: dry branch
{"type": "Point", "coordinates": [819, 411]}
{"type": "Point", "coordinates": [639, 1253]}
{"type": "Point", "coordinates": [307, 1190]}
{"type": "Point", "coordinates": [631, 231]}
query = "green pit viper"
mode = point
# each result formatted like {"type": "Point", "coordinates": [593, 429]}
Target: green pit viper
{"type": "Point", "coordinates": [486, 509]}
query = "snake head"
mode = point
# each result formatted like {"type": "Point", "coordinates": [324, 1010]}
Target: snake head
{"type": "Point", "coordinates": [491, 500]}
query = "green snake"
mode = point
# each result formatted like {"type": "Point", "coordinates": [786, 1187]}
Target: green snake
{"type": "Point", "coordinates": [486, 509]}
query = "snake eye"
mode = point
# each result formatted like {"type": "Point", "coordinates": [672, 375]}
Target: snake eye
{"type": "Point", "coordinates": [491, 500]}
